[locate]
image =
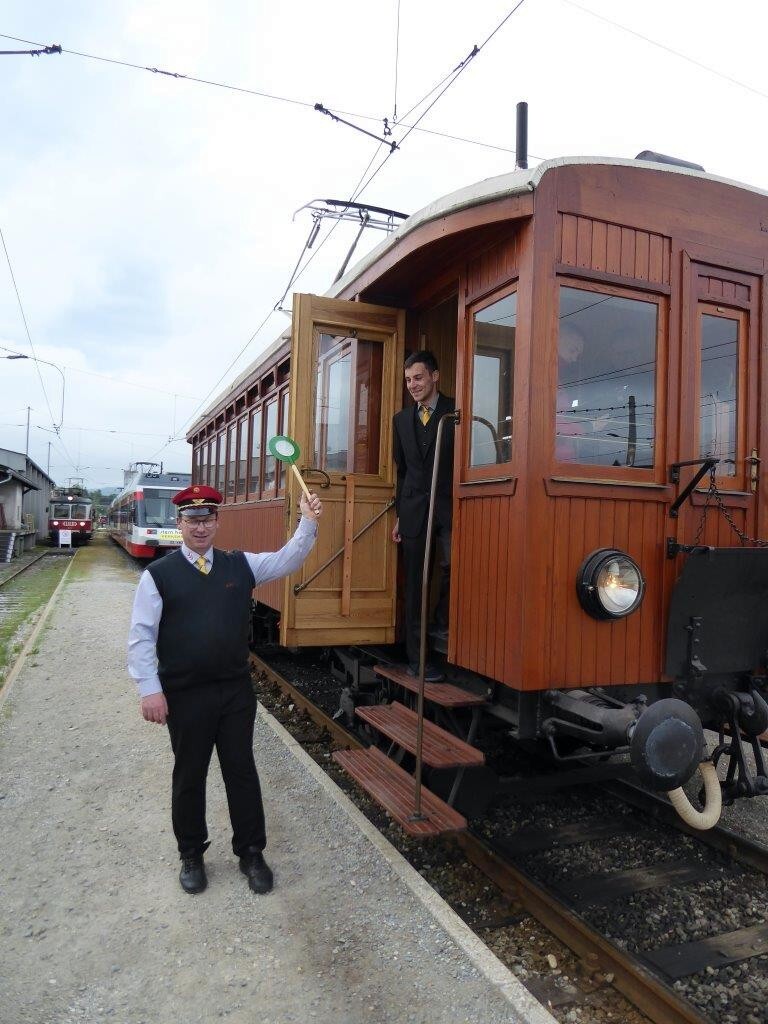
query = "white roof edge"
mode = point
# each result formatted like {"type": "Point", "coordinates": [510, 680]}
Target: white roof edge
{"type": "Point", "coordinates": [511, 184]}
{"type": "Point", "coordinates": [476, 194]}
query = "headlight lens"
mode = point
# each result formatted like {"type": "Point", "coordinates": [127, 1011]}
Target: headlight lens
{"type": "Point", "coordinates": [609, 584]}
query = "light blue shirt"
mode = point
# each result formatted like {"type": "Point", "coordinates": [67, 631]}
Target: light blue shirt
{"type": "Point", "coordinates": [148, 604]}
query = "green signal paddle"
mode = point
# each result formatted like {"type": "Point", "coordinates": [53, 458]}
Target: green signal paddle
{"type": "Point", "coordinates": [285, 449]}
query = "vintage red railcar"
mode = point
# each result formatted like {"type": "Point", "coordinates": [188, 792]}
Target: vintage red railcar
{"type": "Point", "coordinates": [71, 511]}
{"type": "Point", "coordinates": [601, 325]}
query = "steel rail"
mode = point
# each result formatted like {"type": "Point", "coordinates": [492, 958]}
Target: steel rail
{"type": "Point", "coordinates": [24, 568]}
{"type": "Point", "coordinates": [631, 977]}
{"type": "Point", "coordinates": [646, 992]}
{"type": "Point", "coordinates": [338, 732]}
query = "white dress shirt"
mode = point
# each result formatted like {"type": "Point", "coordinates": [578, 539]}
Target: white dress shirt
{"type": "Point", "coordinates": [148, 604]}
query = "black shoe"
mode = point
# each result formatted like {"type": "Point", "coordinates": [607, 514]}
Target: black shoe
{"type": "Point", "coordinates": [431, 674]}
{"type": "Point", "coordinates": [258, 871]}
{"type": "Point", "coordinates": [192, 877]}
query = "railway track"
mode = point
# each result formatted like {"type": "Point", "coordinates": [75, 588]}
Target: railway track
{"type": "Point", "coordinates": [648, 984]}
{"type": "Point", "coordinates": [28, 565]}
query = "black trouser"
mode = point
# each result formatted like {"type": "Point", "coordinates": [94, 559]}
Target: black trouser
{"type": "Point", "coordinates": [413, 567]}
{"type": "Point", "coordinates": [219, 714]}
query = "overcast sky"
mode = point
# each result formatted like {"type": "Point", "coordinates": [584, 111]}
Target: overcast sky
{"type": "Point", "coordinates": [148, 219]}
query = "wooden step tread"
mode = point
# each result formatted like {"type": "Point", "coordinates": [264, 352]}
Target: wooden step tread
{"type": "Point", "coordinates": [439, 749]}
{"type": "Point", "coordinates": [445, 694]}
{"type": "Point", "coordinates": [394, 789]}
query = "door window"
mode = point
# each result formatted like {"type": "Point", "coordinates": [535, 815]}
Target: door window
{"type": "Point", "coordinates": [348, 404]}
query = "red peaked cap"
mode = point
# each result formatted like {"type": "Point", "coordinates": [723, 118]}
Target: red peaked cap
{"type": "Point", "coordinates": [197, 500]}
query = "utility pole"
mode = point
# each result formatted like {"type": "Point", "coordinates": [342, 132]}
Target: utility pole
{"type": "Point", "coordinates": [48, 467]}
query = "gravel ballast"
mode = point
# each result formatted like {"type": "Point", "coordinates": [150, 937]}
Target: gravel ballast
{"type": "Point", "coordinates": [95, 926]}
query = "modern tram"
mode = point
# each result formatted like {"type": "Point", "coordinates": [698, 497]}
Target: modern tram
{"type": "Point", "coordinates": [602, 326]}
{"type": "Point", "coordinates": [142, 518]}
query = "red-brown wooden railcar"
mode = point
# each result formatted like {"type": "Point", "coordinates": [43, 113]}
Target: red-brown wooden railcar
{"type": "Point", "coordinates": [654, 275]}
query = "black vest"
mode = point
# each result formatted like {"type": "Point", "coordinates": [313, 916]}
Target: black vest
{"type": "Point", "coordinates": [204, 626]}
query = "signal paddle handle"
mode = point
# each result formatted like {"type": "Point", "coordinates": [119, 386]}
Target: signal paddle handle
{"type": "Point", "coordinates": [300, 478]}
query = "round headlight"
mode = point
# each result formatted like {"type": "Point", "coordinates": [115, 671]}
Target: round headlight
{"type": "Point", "coordinates": [609, 584]}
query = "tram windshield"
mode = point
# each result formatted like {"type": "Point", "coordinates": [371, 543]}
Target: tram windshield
{"type": "Point", "coordinates": [158, 507]}
{"type": "Point", "coordinates": [606, 384]}
{"type": "Point", "coordinates": [63, 510]}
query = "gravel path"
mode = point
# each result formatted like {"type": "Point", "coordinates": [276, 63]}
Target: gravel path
{"type": "Point", "coordinates": [94, 925]}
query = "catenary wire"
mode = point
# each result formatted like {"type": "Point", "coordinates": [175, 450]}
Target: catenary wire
{"type": "Point", "coordinates": [262, 94]}
{"type": "Point", "coordinates": [26, 327]}
{"type": "Point", "coordinates": [669, 49]}
{"type": "Point", "coordinates": [359, 189]}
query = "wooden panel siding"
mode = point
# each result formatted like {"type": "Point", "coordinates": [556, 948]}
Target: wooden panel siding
{"type": "Point", "coordinates": [493, 267]}
{"type": "Point", "coordinates": [583, 650]}
{"type": "Point", "coordinates": [718, 290]}
{"type": "Point", "coordinates": [612, 249]}
{"type": "Point", "coordinates": [255, 527]}
{"type": "Point", "coordinates": [487, 591]}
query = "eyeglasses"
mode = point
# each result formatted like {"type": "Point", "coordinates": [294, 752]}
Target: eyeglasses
{"type": "Point", "coordinates": [208, 521]}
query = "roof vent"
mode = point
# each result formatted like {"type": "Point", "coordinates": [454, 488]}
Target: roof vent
{"type": "Point", "coordinates": [662, 158]}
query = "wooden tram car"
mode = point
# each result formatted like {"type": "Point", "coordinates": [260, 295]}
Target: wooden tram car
{"type": "Point", "coordinates": [601, 325]}
{"type": "Point", "coordinates": [142, 518]}
{"type": "Point", "coordinates": [70, 509]}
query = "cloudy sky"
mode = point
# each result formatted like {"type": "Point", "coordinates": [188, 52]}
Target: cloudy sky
{"type": "Point", "coordinates": [148, 220]}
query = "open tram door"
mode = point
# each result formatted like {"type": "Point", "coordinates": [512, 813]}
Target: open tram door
{"type": "Point", "coordinates": [346, 361]}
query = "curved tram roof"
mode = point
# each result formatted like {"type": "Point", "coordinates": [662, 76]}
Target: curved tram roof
{"type": "Point", "coordinates": [487, 191]}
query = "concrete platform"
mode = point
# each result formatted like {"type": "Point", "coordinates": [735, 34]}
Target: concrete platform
{"type": "Point", "coordinates": [95, 927]}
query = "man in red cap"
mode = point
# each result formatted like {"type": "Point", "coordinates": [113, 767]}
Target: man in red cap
{"type": "Point", "coordinates": [188, 652]}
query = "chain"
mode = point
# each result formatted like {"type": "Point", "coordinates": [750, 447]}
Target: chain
{"type": "Point", "coordinates": [713, 492]}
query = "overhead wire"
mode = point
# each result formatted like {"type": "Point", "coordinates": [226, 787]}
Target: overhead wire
{"type": "Point", "coordinates": [26, 327]}
{"type": "Point", "coordinates": [450, 78]}
{"type": "Point", "coordinates": [397, 61]}
{"type": "Point", "coordinates": [114, 380]}
{"type": "Point", "coordinates": [260, 93]}
{"type": "Point", "coordinates": [669, 49]}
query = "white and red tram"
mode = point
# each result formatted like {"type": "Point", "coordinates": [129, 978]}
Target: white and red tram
{"type": "Point", "coordinates": [142, 518]}
{"type": "Point", "coordinates": [70, 510]}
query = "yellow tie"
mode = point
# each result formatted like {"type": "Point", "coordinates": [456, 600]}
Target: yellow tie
{"type": "Point", "coordinates": [424, 413]}
{"type": "Point", "coordinates": [202, 565]}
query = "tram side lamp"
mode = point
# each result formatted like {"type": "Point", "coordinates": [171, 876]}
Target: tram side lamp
{"type": "Point", "coordinates": [286, 450]}
{"type": "Point", "coordinates": [609, 584]}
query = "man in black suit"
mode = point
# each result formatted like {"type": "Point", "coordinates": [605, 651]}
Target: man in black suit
{"type": "Point", "coordinates": [414, 434]}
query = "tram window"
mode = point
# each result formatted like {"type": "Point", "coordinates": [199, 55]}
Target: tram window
{"type": "Point", "coordinates": [159, 510]}
{"type": "Point", "coordinates": [606, 380]}
{"type": "Point", "coordinates": [210, 464]}
{"type": "Point", "coordinates": [80, 511]}
{"type": "Point", "coordinates": [242, 462]}
{"type": "Point", "coordinates": [202, 476]}
{"type": "Point", "coordinates": [348, 404]}
{"type": "Point", "coordinates": [219, 485]}
{"type": "Point", "coordinates": [254, 488]}
{"type": "Point", "coordinates": [283, 429]}
{"type": "Point", "coordinates": [270, 460]}
{"type": "Point", "coordinates": [493, 363]}
{"type": "Point", "coordinates": [231, 463]}
{"type": "Point", "coordinates": [195, 465]}
{"type": "Point", "coordinates": [718, 396]}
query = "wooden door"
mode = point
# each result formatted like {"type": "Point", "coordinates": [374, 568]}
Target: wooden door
{"type": "Point", "coordinates": [719, 413]}
{"type": "Point", "coordinates": [346, 363]}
